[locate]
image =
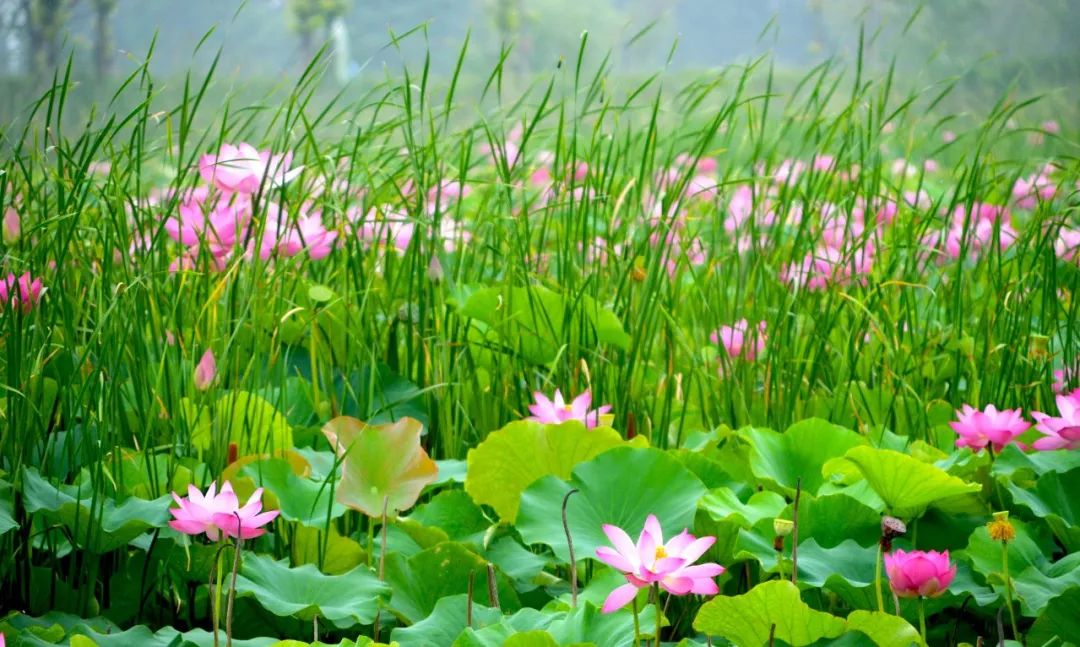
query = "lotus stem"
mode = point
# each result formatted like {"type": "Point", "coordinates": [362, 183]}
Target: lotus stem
{"type": "Point", "coordinates": [637, 623]}
{"type": "Point", "coordinates": [493, 588]}
{"type": "Point", "coordinates": [232, 586]}
{"type": "Point", "coordinates": [382, 561]}
{"type": "Point", "coordinates": [570, 548]}
{"type": "Point", "coordinates": [795, 533]}
{"type": "Point", "coordinates": [469, 600]}
{"type": "Point", "coordinates": [659, 615]}
{"type": "Point", "coordinates": [922, 617]}
{"type": "Point", "coordinates": [1008, 589]}
{"type": "Point", "coordinates": [877, 580]}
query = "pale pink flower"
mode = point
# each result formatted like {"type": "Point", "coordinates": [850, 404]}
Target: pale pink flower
{"type": "Point", "coordinates": [948, 136]}
{"type": "Point", "coordinates": [21, 293]}
{"type": "Point", "coordinates": [205, 371]}
{"type": "Point", "coordinates": [1029, 191]}
{"type": "Point", "coordinates": [977, 429]}
{"type": "Point", "coordinates": [12, 226]}
{"type": "Point", "coordinates": [1067, 244]}
{"type": "Point", "coordinates": [243, 168]}
{"type": "Point", "coordinates": [739, 340]}
{"type": "Point", "coordinates": [557, 410]}
{"type": "Point", "coordinates": [217, 514]}
{"type": "Point", "coordinates": [1062, 431]}
{"type": "Point", "coordinates": [919, 573]}
{"type": "Point", "coordinates": [650, 560]}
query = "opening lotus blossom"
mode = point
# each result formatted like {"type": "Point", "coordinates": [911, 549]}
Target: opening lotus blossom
{"type": "Point", "coordinates": [220, 513]}
{"type": "Point", "coordinates": [556, 410]}
{"type": "Point", "coordinates": [1062, 431]}
{"type": "Point", "coordinates": [977, 429]}
{"type": "Point", "coordinates": [650, 560]}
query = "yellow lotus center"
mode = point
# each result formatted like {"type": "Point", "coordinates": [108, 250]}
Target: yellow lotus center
{"type": "Point", "coordinates": [660, 552]}
{"type": "Point", "coordinates": [568, 407]}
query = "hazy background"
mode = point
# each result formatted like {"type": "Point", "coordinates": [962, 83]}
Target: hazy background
{"type": "Point", "coordinates": [989, 43]}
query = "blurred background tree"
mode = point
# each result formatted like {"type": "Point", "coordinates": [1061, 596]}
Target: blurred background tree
{"type": "Point", "coordinates": [312, 20]}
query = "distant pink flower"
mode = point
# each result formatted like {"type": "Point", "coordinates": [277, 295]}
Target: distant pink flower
{"type": "Point", "coordinates": [824, 162]}
{"type": "Point", "coordinates": [285, 237]}
{"type": "Point", "coordinates": [205, 371]}
{"type": "Point", "coordinates": [1063, 431]}
{"type": "Point", "coordinates": [12, 226]}
{"type": "Point", "coordinates": [650, 561]}
{"type": "Point", "coordinates": [22, 293]}
{"type": "Point", "coordinates": [557, 411]}
{"type": "Point", "coordinates": [919, 573]}
{"type": "Point", "coordinates": [1051, 126]}
{"type": "Point", "coordinates": [977, 429]}
{"type": "Point", "coordinates": [1062, 378]}
{"type": "Point", "coordinates": [740, 207]}
{"type": "Point", "coordinates": [738, 340]}
{"type": "Point", "coordinates": [1067, 244]}
{"type": "Point", "coordinates": [217, 514]}
{"type": "Point", "coordinates": [948, 136]}
{"type": "Point", "coordinates": [208, 219]}
{"type": "Point", "coordinates": [243, 168]}
{"type": "Point", "coordinates": [1029, 191]}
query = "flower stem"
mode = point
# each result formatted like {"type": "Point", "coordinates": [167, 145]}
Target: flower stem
{"type": "Point", "coordinates": [656, 602]}
{"type": "Point", "coordinates": [922, 618]}
{"type": "Point", "coordinates": [1008, 588]}
{"type": "Point", "coordinates": [232, 587]}
{"type": "Point", "coordinates": [637, 625]}
{"type": "Point", "coordinates": [877, 580]}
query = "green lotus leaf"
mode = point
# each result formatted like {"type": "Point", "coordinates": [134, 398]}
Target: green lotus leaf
{"type": "Point", "coordinates": [1012, 460]}
{"type": "Point", "coordinates": [1036, 587]}
{"type": "Point", "coordinates": [456, 514]}
{"type": "Point", "coordinates": [832, 518]}
{"type": "Point", "coordinates": [722, 505]}
{"type": "Point", "coordinates": [305, 593]}
{"type": "Point", "coordinates": [300, 499]}
{"type": "Point", "coordinates": [510, 459]}
{"type": "Point", "coordinates": [7, 508]}
{"type": "Point", "coordinates": [800, 452]}
{"type": "Point", "coordinates": [907, 485]}
{"type": "Point", "coordinates": [247, 420]}
{"type": "Point", "coordinates": [621, 487]}
{"type": "Point", "coordinates": [445, 623]}
{"type": "Point", "coordinates": [383, 466]}
{"type": "Point", "coordinates": [748, 619]}
{"type": "Point", "coordinates": [418, 582]}
{"type": "Point", "coordinates": [114, 525]}
{"type": "Point", "coordinates": [885, 629]}
{"type": "Point", "coordinates": [326, 549]}
{"type": "Point", "coordinates": [1059, 623]}
{"type": "Point", "coordinates": [1054, 498]}
{"type": "Point", "coordinates": [1024, 551]}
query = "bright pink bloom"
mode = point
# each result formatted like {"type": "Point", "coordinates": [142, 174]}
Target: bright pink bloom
{"type": "Point", "coordinates": [739, 340]}
{"type": "Point", "coordinates": [557, 411]}
{"type": "Point", "coordinates": [22, 293]}
{"type": "Point", "coordinates": [651, 560]}
{"type": "Point", "coordinates": [919, 573]}
{"type": "Point", "coordinates": [242, 168]}
{"type": "Point", "coordinates": [205, 371]}
{"type": "Point", "coordinates": [211, 220]}
{"type": "Point", "coordinates": [220, 513]}
{"type": "Point", "coordinates": [284, 238]}
{"type": "Point", "coordinates": [1061, 432]}
{"type": "Point", "coordinates": [977, 429]}
{"type": "Point", "coordinates": [1067, 244]}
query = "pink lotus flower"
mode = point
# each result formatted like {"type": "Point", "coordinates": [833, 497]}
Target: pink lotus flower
{"type": "Point", "coordinates": [22, 293]}
{"type": "Point", "coordinates": [1067, 245]}
{"type": "Point", "coordinates": [211, 220]}
{"type": "Point", "coordinates": [12, 226]}
{"type": "Point", "coordinates": [557, 411]}
{"type": "Point", "coordinates": [217, 514]}
{"type": "Point", "coordinates": [290, 239]}
{"type": "Point", "coordinates": [919, 573]}
{"type": "Point", "coordinates": [1029, 191]}
{"type": "Point", "coordinates": [242, 168]}
{"type": "Point", "coordinates": [738, 340]}
{"type": "Point", "coordinates": [205, 371]}
{"type": "Point", "coordinates": [1061, 432]}
{"type": "Point", "coordinates": [651, 560]}
{"type": "Point", "coordinates": [977, 429]}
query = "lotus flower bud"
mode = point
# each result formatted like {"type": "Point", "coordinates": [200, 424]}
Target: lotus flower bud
{"type": "Point", "coordinates": [205, 371]}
